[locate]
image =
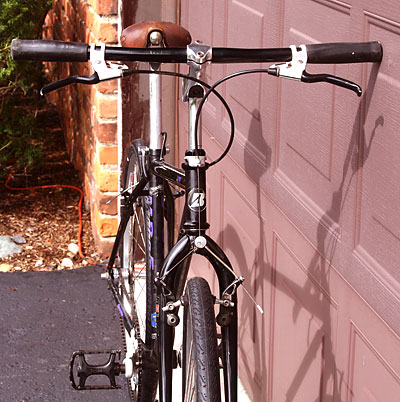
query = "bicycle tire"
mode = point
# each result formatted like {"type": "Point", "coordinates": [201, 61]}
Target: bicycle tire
{"type": "Point", "coordinates": [201, 377]}
{"type": "Point", "coordinates": [136, 277]}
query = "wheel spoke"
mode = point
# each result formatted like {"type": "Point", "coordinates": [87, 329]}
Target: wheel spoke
{"type": "Point", "coordinates": [134, 280]}
{"type": "Point", "coordinates": [140, 227]}
{"type": "Point", "coordinates": [190, 387]}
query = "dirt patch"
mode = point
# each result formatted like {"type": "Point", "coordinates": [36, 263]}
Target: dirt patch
{"type": "Point", "coordinates": [46, 218]}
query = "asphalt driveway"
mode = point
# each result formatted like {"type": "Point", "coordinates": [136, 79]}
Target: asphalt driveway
{"type": "Point", "coordinates": [44, 317]}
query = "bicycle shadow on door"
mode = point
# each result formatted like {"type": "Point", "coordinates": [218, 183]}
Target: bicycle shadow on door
{"type": "Point", "coordinates": [332, 379]}
{"type": "Point", "coordinates": [321, 345]}
{"type": "Point", "coordinates": [250, 321]}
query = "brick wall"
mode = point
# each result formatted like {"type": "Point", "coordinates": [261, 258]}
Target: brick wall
{"type": "Point", "coordinates": [89, 113]}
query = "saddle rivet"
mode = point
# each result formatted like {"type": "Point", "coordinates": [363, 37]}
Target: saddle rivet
{"type": "Point", "coordinates": [155, 38]}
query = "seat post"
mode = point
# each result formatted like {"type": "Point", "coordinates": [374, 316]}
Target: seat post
{"type": "Point", "coordinates": [155, 33]}
{"type": "Point", "coordinates": [155, 140]}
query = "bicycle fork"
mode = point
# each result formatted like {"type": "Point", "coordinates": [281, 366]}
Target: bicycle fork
{"type": "Point", "coordinates": [227, 318]}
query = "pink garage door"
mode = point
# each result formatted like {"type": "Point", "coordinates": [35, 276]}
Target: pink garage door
{"type": "Point", "coordinates": [307, 204]}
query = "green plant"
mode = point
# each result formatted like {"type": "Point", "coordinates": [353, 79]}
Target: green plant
{"type": "Point", "coordinates": [19, 83]}
{"type": "Point", "coordinates": [21, 137]}
{"type": "Point", "coordinates": [21, 19]}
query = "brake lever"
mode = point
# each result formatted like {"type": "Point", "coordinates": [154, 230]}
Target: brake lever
{"type": "Point", "coordinates": [296, 70]}
{"type": "Point", "coordinates": [331, 79]}
{"type": "Point", "coordinates": [103, 71]}
{"type": "Point", "coordinates": [74, 79]}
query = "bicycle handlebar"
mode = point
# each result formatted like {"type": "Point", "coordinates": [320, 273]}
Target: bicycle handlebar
{"type": "Point", "coordinates": [48, 50]}
{"type": "Point", "coordinates": [324, 53]}
{"type": "Point", "coordinates": [337, 53]}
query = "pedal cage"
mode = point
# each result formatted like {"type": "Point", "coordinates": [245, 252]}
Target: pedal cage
{"type": "Point", "coordinates": [111, 369]}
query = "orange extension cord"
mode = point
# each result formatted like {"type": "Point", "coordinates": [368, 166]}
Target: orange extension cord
{"type": "Point", "coordinates": [57, 186]}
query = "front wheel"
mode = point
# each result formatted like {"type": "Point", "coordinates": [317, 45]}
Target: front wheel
{"type": "Point", "coordinates": [200, 381]}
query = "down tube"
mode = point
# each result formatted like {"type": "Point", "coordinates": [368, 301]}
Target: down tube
{"type": "Point", "coordinates": [219, 261]}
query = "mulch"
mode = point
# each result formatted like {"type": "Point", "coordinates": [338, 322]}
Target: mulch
{"type": "Point", "coordinates": [46, 218]}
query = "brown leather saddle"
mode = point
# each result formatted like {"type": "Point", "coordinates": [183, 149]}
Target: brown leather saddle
{"type": "Point", "coordinates": [137, 35]}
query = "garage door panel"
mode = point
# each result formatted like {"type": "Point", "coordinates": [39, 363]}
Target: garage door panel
{"type": "Point", "coordinates": [200, 24]}
{"type": "Point", "coordinates": [378, 223]}
{"type": "Point", "coordinates": [303, 331]}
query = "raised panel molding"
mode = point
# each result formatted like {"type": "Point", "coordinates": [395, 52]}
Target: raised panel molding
{"type": "Point", "coordinates": [371, 377]}
{"type": "Point", "coordinates": [306, 203]}
{"type": "Point", "coordinates": [336, 5]}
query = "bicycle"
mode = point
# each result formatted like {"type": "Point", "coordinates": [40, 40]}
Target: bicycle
{"type": "Point", "coordinates": [150, 286]}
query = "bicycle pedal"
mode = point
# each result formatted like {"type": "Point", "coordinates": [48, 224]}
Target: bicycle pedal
{"type": "Point", "coordinates": [80, 369]}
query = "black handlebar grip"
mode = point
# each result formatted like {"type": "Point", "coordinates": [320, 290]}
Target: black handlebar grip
{"type": "Point", "coordinates": [49, 50]}
{"type": "Point", "coordinates": [335, 53]}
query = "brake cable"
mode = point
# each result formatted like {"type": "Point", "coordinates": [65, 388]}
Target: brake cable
{"type": "Point", "coordinates": [94, 79]}
{"type": "Point", "coordinates": [210, 90]}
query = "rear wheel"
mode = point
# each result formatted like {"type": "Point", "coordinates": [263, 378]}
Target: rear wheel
{"type": "Point", "coordinates": [135, 280]}
{"type": "Point", "coordinates": [200, 381]}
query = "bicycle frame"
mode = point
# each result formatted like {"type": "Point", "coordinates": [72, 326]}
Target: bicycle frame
{"type": "Point", "coordinates": [171, 272]}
